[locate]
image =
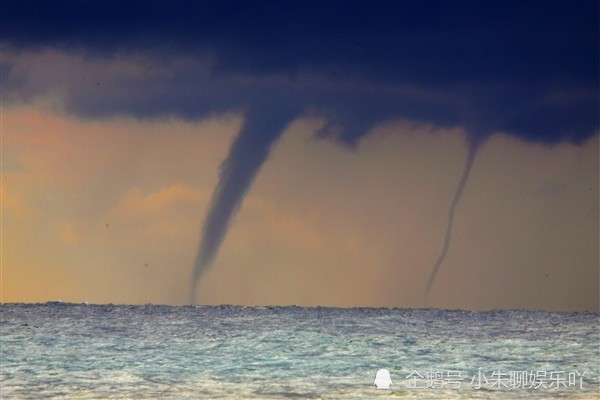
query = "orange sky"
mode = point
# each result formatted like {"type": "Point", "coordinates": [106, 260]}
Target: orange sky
{"type": "Point", "coordinates": [111, 210]}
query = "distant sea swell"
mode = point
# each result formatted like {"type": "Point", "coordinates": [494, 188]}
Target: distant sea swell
{"type": "Point", "coordinates": [59, 350]}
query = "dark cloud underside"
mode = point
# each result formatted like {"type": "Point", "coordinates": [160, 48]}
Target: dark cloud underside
{"type": "Point", "coordinates": [423, 42]}
{"type": "Point", "coordinates": [494, 65]}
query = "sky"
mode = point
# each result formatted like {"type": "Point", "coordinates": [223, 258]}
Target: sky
{"type": "Point", "coordinates": [381, 154]}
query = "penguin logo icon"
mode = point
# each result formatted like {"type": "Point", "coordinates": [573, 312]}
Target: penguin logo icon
{"type": "Point", "coordinates": [383, 379]}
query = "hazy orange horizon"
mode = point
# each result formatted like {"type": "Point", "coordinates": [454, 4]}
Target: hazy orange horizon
{"type": "Point", "coordinates": [109, 211]}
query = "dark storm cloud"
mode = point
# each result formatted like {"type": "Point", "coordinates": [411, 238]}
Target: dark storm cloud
{"type": "Point", "coordinates": [528, 68]}
{"type": "Point", "coordinates": [403, 41]}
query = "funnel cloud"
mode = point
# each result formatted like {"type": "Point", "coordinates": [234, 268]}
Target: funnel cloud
{"type": "Point", "coordinates": [247, 153]}
{"type": "Point", "coordinates": [472, 151]}
{"type": "Point", "coordinates": [528, 70]}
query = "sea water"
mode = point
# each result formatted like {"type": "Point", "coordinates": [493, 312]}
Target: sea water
{"type": "Point", "coordinates": [79, 351]}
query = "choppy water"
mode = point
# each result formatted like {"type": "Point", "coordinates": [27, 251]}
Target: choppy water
{"type": "Point", "coordinates": [148, 352]}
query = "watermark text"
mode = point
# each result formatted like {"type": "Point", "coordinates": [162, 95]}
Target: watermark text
{"type": "Point", "coordinates": [495, 380]}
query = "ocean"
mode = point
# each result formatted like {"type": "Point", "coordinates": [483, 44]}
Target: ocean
{"type": "Point", "coordinates": [78, 351]}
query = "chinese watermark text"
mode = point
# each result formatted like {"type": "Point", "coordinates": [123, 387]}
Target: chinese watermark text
{"type": "Point", "coordinates": [495, 380]}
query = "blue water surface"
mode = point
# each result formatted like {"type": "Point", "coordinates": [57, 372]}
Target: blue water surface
{"type": "Point", "coordinates": [58, 350]}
